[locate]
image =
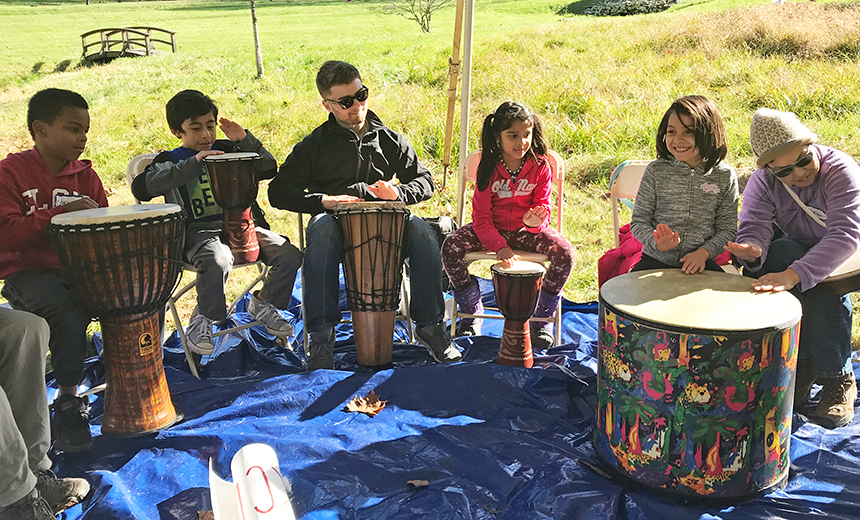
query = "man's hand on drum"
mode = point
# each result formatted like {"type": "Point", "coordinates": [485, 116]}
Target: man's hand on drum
{"type": "Point", "coordinates": [746, 251]}
{"type": "Point", "coordinates": [783, 281]}
{"type": "Point", "coordinates": [206, 153]}
{"type": "Point", "coordinates": [694, 262]}
{"type": "Point", "coordinates": [82, 203]}
{"type": "Point", "coordinates": [665, 239]}
{"type": "Point", "coordinates": [506, 256]}
{"type": "Point", "coordinates": [384, 190]}
{"type": "Point", "coordinates": [331, 201]}
{"type": "Point", "coordinates": [232, 130]}
{"type": "Point", "coordinates": [534, 217]}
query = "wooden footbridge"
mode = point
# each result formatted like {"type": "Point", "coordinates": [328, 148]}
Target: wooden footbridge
{"type": "Point", "coordinates": [118, 42]}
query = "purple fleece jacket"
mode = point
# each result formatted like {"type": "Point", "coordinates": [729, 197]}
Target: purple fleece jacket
{"type": "Point", "coordinates": [835, 191]}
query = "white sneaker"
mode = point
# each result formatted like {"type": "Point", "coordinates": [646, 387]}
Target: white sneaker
{"type": "Point", "coordinates": [268, 315]}
{"type": "Point", "coordinates": [199, 334]}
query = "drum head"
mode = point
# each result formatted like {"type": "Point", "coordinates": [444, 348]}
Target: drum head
{"type": "Point", "coordinates": [237, 156]}
{"type": "Point", "coordinates": [114, 214]}
{"type": "Point", "coordinates": [708, 301]}
{"type": "Point", "coordinates": [519, 268]}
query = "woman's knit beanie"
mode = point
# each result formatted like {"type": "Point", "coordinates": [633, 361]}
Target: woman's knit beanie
{"type": "Point", "coordinates": [773, 132]}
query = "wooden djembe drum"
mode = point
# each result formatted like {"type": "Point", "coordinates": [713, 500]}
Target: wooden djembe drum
{"type": "Point", "coordinates": [517, 289]}
{"type": "Point", "coordinates": [234, 186]}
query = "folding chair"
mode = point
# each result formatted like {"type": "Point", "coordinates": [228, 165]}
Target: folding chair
{"type": "Point", "coordinates": [623, 186]}
{"type": "Point", "coordinates": [135, 167]}
{"type": "Point", "coordinates": [470, 174]}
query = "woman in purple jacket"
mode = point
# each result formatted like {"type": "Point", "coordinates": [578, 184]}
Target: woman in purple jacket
{"type": "Point", "coordinates": [800, 220]}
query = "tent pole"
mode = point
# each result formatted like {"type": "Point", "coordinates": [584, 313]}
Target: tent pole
{"type": "Point", "coordinates": [464, 110]}
{"type": "Point", "coordinates": [453, 77]}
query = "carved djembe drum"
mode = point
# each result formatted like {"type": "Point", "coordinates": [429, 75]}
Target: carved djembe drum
{"type": "Point", "coordinates": [517, 289]}
{"type": "Point", "coordinates": [234, 186]}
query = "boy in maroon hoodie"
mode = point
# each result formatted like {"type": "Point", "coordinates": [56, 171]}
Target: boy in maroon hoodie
{"type": "Point", "coordinates": [35, 185]}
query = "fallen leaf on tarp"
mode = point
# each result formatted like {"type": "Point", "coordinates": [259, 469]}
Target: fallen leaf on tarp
{"type": "Point", "coordinates": [205, 515]}
{"type": "Point", "coordinates": [414, 484]}
{"type": "Point", "coordinates": [370, 404]}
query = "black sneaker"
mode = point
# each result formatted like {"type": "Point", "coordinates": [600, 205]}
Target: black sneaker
{"type": "Point", "coordinates": [31, 507]}
{"type": "Point", "coordinates": [542, 338]}
{"type": "Point", "coordinates": [71, 424]}
{"type": "Point", "coordinates": [60, 493]}
{"type": "Point", "coordinates": [321, 350]}
{"type": "Point", "coordinates": [433, 337]}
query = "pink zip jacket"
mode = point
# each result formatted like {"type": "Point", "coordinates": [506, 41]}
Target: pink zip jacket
{"type": "Point", "coordinates": [502, 205]}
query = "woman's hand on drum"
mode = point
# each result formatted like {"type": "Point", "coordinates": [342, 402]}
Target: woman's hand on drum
{"type": "Point", "coordinates": [665, 239]}
{"type": "Point", "coordinates": [232, 130]}
{"type": "Point", "coordinates": [746, 251]}
{"type": "Point", "coordinates": [206, 153]}
{"type": "Point", "coordinates": [783, 281]}
{"type": "Point", "coordinates": [384, 190]}
{"type": "Point", "coordinates": [535, 216]}
{"type": "Point", "coordinates": [82, 203]}
{"type": "Point", "coordinates": [694, 262]}
{"type": "Point", "coordinates": [331, 201]}
{"type": "Point", "coordinates": [506, 256]}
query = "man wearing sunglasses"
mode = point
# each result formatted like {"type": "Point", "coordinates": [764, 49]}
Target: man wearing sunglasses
{"type": "Point", "coordinates": [353, 156]}
{"type": "Point", "coordinates": [801, 220]}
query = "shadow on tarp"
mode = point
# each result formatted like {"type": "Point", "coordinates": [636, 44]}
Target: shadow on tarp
{"type": "Point", "coordinates": [491, 441]}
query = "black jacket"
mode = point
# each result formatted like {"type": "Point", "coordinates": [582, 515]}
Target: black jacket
{"type": "Point", "coordinates": [333, 161]}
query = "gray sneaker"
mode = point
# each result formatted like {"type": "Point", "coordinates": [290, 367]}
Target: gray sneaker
{"type": "Point", "coordinates": [433, 337]}
{"type": "Point", "coordinates": [321, 349]}
{"type": "Point", "coordinates": [199, 334]}
{"type": "Point", "coordinates": [61, 493]}
{"type": "Point", "coordinates": [31, 507]}
{"type": "Point", "coordinates": [268, 315]}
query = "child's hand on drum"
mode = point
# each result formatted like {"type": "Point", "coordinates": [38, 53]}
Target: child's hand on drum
{"type": "Point", "coordinates": [232, 130]}
{"type": "Point", "coordinates": [82, 203]}
{"type": "Point", "coordinates": [694, 262]}
{"type": "Point", "coordinates": [384, 190]}
{"type": "Point", "coordinates": [506, 256]}
{"type": "Point", "coordinates": [665, 239]}
{"type": "Point", "coordinates": [535, 216]}
{"type": "Point", "coordinates": [331, 201]}
{"type": "Point", "coordinates": [746, 251]}
{"type": "Point", "coordinates": [206, 153]}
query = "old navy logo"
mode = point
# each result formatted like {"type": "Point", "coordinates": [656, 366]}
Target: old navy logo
{"type": "Point", "coordinates": [710, 188]}
{"type": "Point", "coordinates": [502, 188]}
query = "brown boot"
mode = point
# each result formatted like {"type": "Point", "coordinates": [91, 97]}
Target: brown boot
{"type": "Point", "coordinates": [836, 407]}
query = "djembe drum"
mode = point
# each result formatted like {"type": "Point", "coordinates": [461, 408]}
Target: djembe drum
{"type": "Point", "coordinates": [372, 263]}
{"type": "Point", "coordinates": [234, 186]}
{"type": "Point", "coordinates": [124, 262]}
{"type": "Point", "coordinates": [696, 382]}
{"type": "Point", "coordinates": [517, 289]}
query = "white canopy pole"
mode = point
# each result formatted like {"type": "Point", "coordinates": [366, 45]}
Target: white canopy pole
{"type": "Point", "coordinates": [464, 109]}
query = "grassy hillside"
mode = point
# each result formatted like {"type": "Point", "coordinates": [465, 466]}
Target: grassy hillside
{"type": "Point", "coordinates": [601, 85]}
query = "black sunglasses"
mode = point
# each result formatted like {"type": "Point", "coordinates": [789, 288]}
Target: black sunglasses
{"type": "Point", "coordinates": [347, 101]}
{"type": "Point", "coordinates": [788, 170]}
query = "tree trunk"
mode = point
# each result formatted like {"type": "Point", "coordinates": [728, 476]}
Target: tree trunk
{"type": "Point", "coordinates": [257, 51]}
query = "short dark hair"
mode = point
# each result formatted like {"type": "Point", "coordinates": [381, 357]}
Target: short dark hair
{"type": "Point", "coordinates": [708, 129]}
{"type": "Point", "coordinates": [47, 104]}
{"type": "Point", "coordinates": [188, 104]}
{"type": "Point", "coordinates": [335, 73]}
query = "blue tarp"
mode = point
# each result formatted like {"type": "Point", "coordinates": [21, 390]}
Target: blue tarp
{"type": "Point", "coordinates": [493, 442]}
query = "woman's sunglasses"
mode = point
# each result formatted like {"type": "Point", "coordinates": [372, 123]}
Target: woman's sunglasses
{"type": "Point", "coordinates": [787, 170]}
{"type": "Point", "coordinates": [347, 101]}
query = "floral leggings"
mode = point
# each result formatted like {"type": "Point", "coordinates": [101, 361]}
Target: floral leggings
{"type": "Point", "coordinates": [548, 242]}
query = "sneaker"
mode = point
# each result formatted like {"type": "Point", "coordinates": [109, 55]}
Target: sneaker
{"type": "Point", "coordinates": [434, 338]}
{"type": "Point", "coordinates": [836, 407]}
{"type": "Point", "coordinates": [60, 493]}
{"type": "Point", "coordinates": [321, 349]}
{"type": "Point", "coordinates": [469, 327]}
{"type": "Point", "coordinates": [31, 507]}
{"type": "Point", "coordinates": [541, 336]}
{"type": "Point", "coordinates": [72, 424]}
{"type": "Point", "coordinates": [199, 335]}
{"type": "Point", "coordinates": [268, 315]}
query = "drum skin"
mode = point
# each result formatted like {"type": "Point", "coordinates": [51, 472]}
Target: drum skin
{"type": "Point", "coordinates": [696, 411]}
{"type": "Point", "coordinates": [124, 263]}
{"type": "Point", "coordinates": [372, 235]}
{"type": "Point", "coordinates": [517, 289]}
{"type": "Point", "coordinates": [233, 177]}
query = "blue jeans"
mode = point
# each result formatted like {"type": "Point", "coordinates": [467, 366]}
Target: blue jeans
{"type": "Point", "coordinates": [825, 329]}
{"type": "Point", "coordinates": [322, 260]}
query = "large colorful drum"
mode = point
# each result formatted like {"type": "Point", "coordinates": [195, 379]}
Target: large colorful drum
{"type": "Point", "coordinates": [234, 186]}
{"type": "Point", "coordinates": [517, 288]}
{"type": "Point", "coordinates": [696, 382]}
{"type": "Point", "coordinates": [124, 262]}
{"type": "Point", "coordinates": [372, 264]}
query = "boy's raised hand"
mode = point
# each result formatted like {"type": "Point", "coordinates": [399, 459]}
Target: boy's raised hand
{"type": "Point", "coordinates": [665, 239]}
{"type": "Point", "coordinates": [232, 130]}
{"type": "Point", "coordinates": [82, 203]}
{"type": "Point", "coordinates": [534, 217]}
{"type": "Point", "coordinates": [207, 153]}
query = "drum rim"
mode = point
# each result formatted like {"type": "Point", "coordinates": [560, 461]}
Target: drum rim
{"type": "Point", "coordinates": [540, 270]}
{"type": "Point", "coordinates": [235, 156]}
{"type": "Point", "coordinates": [114, 214]}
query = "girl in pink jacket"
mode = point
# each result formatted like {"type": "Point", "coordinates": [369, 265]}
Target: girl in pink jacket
{"type": "Point", "coordinates": [510, 210]}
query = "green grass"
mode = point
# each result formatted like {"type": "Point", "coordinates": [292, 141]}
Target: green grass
{"type": "Point", "coordinates": [601, 85]}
